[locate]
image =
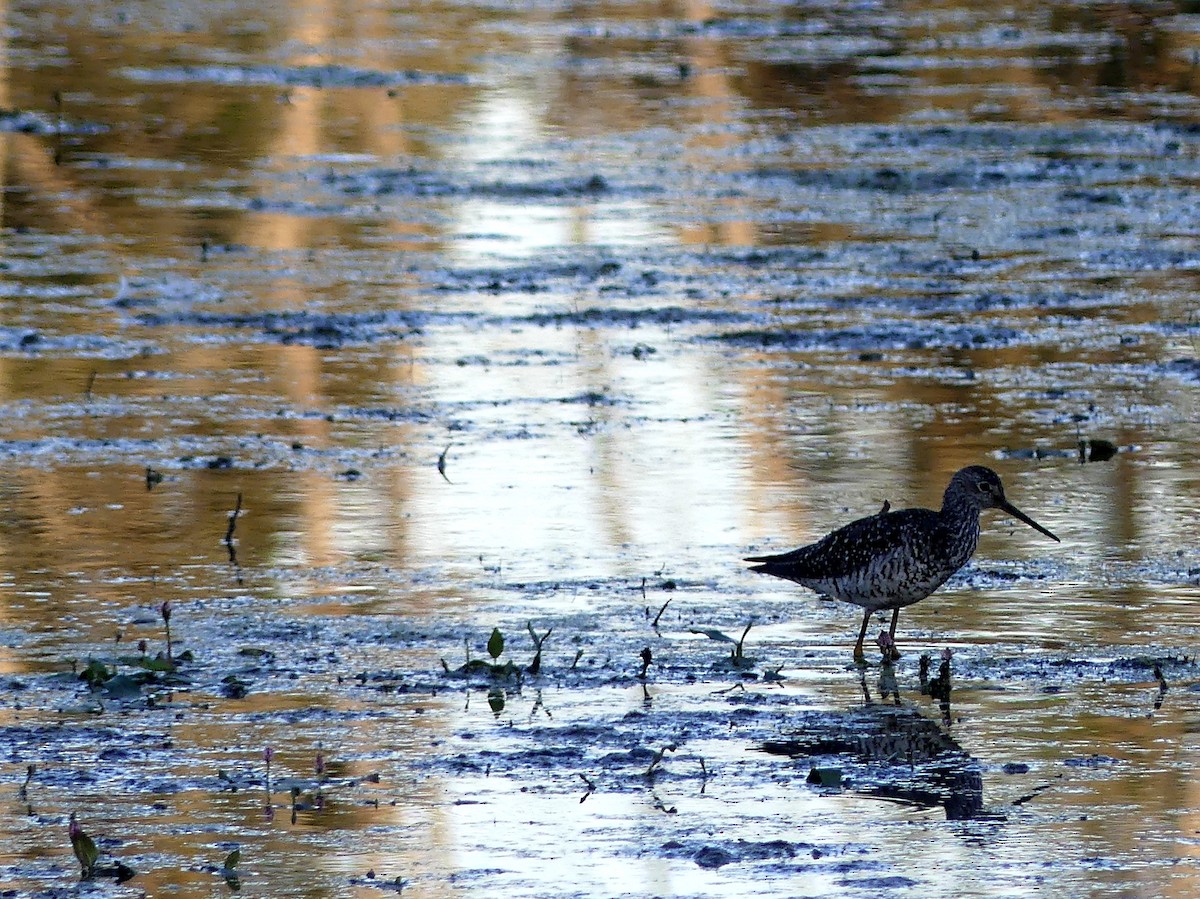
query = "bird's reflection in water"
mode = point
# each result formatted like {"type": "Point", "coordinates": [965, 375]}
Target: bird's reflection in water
{"type": "Point", "coordinates": [888, 688]}
{"type": "Point", "coordinates": [890, 750]}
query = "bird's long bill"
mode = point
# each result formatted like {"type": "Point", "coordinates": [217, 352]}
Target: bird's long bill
{"type": "Point", "coordinates": [1017, 513]}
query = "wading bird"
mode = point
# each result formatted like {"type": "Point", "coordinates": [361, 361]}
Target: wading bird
{"type": "Point", "coordinates": [894, 559]}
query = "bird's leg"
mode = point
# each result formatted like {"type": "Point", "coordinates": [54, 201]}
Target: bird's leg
{"type": "Point", "coordinates": [859, 655]}
{"type": "Point", "coordinates": [892, 633]}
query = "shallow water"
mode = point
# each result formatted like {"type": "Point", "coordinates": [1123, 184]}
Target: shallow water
{"type": "Point", "coordinates": [535, 318]}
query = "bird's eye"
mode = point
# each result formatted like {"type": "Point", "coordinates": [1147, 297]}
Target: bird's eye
{"type": "Point", "coordinates": [984, 487]}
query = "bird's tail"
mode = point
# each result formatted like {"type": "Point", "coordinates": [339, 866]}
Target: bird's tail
{"type": "Point", "coordinates": [779, 566]}
{"type": "Point", "coordinates": [780, 559]}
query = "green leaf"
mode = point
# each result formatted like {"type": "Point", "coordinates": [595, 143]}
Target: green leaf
{"type": "Point", "coordinates": [232, 859]}
{"type": "Point", "coordinates": [156, 664]}
{"type": "Point", "coordinates": [96, 673]}
{"type": "Point", "coordinates": [495, 643]}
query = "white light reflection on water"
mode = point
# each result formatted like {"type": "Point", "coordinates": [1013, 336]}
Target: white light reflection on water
{"type": "Point", "coordinates": [507, 128]}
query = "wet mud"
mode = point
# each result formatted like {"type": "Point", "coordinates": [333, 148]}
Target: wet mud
{"type": "Point", "coordinates": [381, 442]}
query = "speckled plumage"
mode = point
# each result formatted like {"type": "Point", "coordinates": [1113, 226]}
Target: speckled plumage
{"type": "Point", "coordinates": [893, 559]}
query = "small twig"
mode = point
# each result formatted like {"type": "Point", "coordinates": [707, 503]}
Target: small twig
{"type": "Point", "coordinates": [737, 686]}
{"type": "Point", "coordinates": [229, 544]}
{"type": "Point", "coordinates": [1032, 794]}
{"type": "Point", "coordinates": [23, 792]}
{"type": "Point", "coordinates": [87, 391]}
{"type": "Point", "coordinates": [591, 787]}
{"type": "Point", "coordinates": [268, 754]}
{"type": "Point", "coordinates": [1162, 687]}
{"type": "Point", "coordinates": [737, 650]}
{"type": "Point", "coordinates": [165, 611]}
{"type": "Point", "coordinates": [58, 128]}
{"type": "Point", "coordinates": [233, 517]}
{"type": "Point", "coordinates": [536, 665]}
{"type": "Point", "coordinates": [441, 463]}
{"type": "Point", "coordinates": [654, 623]}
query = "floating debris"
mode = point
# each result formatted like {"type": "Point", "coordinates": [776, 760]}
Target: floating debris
{"type": "Point", "coordinates": [1096, 450]}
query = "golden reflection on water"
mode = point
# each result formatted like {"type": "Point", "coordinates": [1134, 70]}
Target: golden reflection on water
{"type": "Point", "coordinates": [680, 460]}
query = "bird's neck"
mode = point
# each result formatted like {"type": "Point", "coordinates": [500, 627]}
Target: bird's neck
{"type": "Point", "coordinates": [961, 521]}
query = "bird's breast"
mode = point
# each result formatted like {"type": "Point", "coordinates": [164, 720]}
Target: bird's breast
{"type": "Point", "coordinates": [885, 586]}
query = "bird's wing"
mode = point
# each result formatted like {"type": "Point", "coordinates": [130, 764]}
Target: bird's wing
{"type": "Point", "coordinates": [849, 549]}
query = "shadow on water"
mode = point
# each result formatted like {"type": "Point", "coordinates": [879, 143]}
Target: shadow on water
{"type": "Point", "coordinates": [890, 750]}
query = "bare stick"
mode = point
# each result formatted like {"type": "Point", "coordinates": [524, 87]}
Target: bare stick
{"type": "Point", "coordinates": [58, 128]}
{"type": "Point", "coordinates": [233, 517]}
{"type": "Point", "coordinates": [591, 787]}
{"type": "Point", "coordinates": [654, 623]}
{"type": "Point", "coordinates": [737, 652]}
{"type": "Point", "coordinates": [165, 611]}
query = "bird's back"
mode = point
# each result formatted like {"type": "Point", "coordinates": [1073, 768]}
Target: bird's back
{"type": "Point", "coordinates": [883, 561]}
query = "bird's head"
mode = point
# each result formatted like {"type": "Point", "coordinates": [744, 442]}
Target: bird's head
{"type": "Point", "coordinates": [979, 486]}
